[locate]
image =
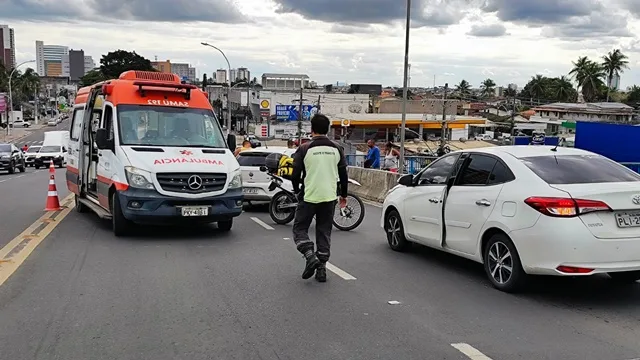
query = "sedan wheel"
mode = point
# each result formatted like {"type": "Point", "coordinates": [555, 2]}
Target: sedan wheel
{"type": "Point", "coordinates": [502, 264]}
{"type": "Point", "coordinates": [395, 232]}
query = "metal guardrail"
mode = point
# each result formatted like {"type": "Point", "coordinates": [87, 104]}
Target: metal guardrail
{"type": "Point", "coordinates": [412, 164]}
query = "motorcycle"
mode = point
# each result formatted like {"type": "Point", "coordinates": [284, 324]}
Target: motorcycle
{"type": "Point", "coordinates": [282, 207]}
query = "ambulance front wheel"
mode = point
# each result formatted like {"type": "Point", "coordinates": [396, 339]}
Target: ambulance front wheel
{"type": "Point", "coordinates": [225, 225]}
{"type": "Point", "coordinates": [119, 223]}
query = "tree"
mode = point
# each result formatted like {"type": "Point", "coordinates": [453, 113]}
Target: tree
{"type": "Point", "coordinates": [562, 89]}
{"type": "Point", "coordinates": [400, 93]}
{"type": "Point", "coordinates": [578, 70]}
{"type": "Point", "coordinates": [463, 89]}
{"type": "Point", "coordinates": [488, 88]}
{"type": "Point", "coordinates": [614, 64]}
{"type": "Point", "coordinates": [116, 62]}
{"type": "Point", "coordinates": [633, 95]}
{"type": "Point", "coordinates": [510, 92]}
{"type": "Point", "coordinates": [542, 88]}
{"type": "Point", "coordinates": [92, 77]}
{"type": "Point", "coordinates": [204, 81]}
{"type": "Point", "coordinates": [592, 84]}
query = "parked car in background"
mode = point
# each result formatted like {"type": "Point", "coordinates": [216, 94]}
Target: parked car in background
{"type": "Point", "coordinates": [52, 122]}
{"type": "Point", "coordinates": [522, 210]}
{"type": "Point", "coordinates": [255, 183]}
{"type": "Point", "coordinates": [20, 123]}
{"type": "Point", "coordinates": [11, 158]}
{"type": "Point", "coordinates": [254, 141]}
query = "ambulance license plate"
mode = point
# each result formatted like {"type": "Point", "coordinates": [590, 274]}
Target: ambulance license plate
{"type": "Point", "coordinates": [195, 211]}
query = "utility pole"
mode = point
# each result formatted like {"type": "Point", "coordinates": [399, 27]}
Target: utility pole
{"type": "Point", "coordinates": [513, 117]}
{"type": "Point", "coordinates": [444, 120]}
{"type": "Point", "coordinates": [403, 124]}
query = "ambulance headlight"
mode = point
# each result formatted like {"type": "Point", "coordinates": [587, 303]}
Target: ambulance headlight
{"type": "Point", "coordinates": [236, 180]}
{"type": "Point", "coordinates": [138, 178]}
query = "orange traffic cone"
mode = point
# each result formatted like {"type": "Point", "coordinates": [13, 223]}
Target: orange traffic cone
{"type": "Point", "coordinates": [52, 169]}
{"type": "Point", "coordinates": [53, 203]}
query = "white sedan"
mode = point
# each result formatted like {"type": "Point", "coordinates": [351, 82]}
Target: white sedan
{"type": "Point", "coordinates": [256, 183]}
{"type": "Point", "coordinates": [522, 210]}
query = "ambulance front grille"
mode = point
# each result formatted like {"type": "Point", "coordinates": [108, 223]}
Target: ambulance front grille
{"type": "Point", "coordinates": [179, 182]}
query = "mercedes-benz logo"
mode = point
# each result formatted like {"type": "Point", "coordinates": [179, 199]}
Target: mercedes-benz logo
{"type": "Point", "coordinates": [250, 174]}
{"type": "Point", "coordinates": [194, 182]}
{"type": "Point", "coordinates": [636, 199]}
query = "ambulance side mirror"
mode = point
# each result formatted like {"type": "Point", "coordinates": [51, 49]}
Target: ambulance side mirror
{"type": "Point", "coordinates": [102, 140]}
{"type": "Point", "coordinates": [231, 142]}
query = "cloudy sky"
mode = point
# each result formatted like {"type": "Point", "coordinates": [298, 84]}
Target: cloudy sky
{"type": "Point", "coordinates": [357, 41]}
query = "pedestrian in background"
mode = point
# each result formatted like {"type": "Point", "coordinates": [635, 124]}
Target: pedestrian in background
{"type": "Point", "coordinates": [373, 155]}
{"type": "Point", "coordinates": [391, 157]}
{"type": "Point", "coordinates": [318, 165]}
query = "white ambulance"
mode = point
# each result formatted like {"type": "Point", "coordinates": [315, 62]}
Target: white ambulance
{"type": "Point", "coordinates": [146, 148]}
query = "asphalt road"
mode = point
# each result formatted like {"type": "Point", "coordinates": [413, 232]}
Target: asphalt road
{"type": "Point", "coordinates": [196, 293]}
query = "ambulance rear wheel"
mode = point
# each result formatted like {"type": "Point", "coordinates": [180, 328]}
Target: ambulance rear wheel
{"type": "Point", "coordinates": [80, 207]}
{"type": "Point", "coordinates": [120, 224]}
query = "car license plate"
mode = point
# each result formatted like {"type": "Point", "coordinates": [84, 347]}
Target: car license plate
{"type": "Point", "coordinates": [250, 190]}
{"type": "Point", "coordinates": [625, 220]}
{"type": "Point", "coordinates": [195, 211]}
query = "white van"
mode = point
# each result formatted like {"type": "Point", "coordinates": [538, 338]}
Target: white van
{"type": "Point", "coordinates": [146, 148]}
{"type": "Point", "coordinates": [54, 148]}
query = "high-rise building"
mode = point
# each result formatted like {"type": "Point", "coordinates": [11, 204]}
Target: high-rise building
{"type": "Point", "coordinates": [233, 75]}
{"type": "Point", "coordinates": [89, 64]}
{"type": "Point", "coordinates": [221, 76]}
{"type": "Point", "coordinates": [49, 59]}
{"type": "Point", "coordinates": [243, 74]}
{"type": "Point", "coordinates": [7, 47]}
{"type": "Point", "coordinates": [615, 82]}
{"type": "Point", "coordinates": [184, 71]}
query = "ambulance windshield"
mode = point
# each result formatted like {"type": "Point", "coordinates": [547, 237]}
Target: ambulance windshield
{"type": "Point", "coordinates": [168, 126]}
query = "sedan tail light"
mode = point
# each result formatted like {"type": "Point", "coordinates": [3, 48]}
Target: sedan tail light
{"type": "Point", "coordinates": [565, 207]}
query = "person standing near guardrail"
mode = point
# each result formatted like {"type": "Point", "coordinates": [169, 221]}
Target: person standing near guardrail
{"type": "Point", "coordinates": [373, 155]}
{"type": "Point", "coordinates": [391, 157]}
{"type": "Point", "coordinates": [317, 164]}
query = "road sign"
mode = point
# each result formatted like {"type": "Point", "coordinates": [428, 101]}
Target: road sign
{"type": "Point", "coordinates": [290, 112]}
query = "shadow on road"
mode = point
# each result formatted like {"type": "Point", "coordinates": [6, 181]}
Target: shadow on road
{"type": "Point", "coordinates": [589, 293]}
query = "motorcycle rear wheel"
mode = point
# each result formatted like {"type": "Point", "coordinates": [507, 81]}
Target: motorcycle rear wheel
{"type": "Point", "coordinates": [281, 217]}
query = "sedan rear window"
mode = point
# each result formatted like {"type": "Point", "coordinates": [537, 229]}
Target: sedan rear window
{"type": "Point", "coordinates": [252, 159]}
{"type": "Point", "coordinates": [579, 169]}
{"type": "Point", "coordinates": [5, 148]}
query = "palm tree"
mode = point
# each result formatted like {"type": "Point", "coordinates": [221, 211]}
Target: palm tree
{"type": "Point", "coordinates": [578, 70]}
{"type": "Point", "coordinates": [27, 83]}
{"type": "Point", "coordinates": [563, 89]}
{"type": "Point", "coordinates": [614, 64]}
{"type": "Point", "coordinates": [488, 87]}
{"type": "Point", "coordinates": [538, 86]}
{"type": "Point", "coordinates": [464, 88]}
{"type": "Point", "coordinates": [510, 92]}
{"type": "Point", "coordinates": [591, 76]}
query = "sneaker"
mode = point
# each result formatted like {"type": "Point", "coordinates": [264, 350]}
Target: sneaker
{"type": "Point", "coordinates": [310, 267]}
{"type": "Point", "coordinates": [321, 273]}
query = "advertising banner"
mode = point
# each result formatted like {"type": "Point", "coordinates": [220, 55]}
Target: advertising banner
{"type": "Point", "coordinates": [290, 112]}
{"type": "Point", "coordinates": [4, 102]}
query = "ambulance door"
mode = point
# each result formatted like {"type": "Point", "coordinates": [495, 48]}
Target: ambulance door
{"type": "Point", "coordinates": [74, 153]}
{"type": "Point", "coordinates": [106, 169]}
{"type": "Point", "coordinates": [89, 156]}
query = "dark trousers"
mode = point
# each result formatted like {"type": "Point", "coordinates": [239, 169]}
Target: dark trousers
{"type": "Point", "coordinates": [324, 224]}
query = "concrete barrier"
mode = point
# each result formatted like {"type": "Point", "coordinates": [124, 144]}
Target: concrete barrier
{"type": "Point", "coordinates": [375, 183]}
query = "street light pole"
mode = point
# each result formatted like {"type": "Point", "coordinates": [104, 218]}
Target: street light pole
{"type": "Point", "coordinates": [10, 119]}
{"type": "Point", "coordinates": [228, 122]}
{"type": "Point", "coordinates": [403, 124]}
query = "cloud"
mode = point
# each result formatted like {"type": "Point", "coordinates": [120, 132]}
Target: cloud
{"type": "Point", "coordinates": [351, 29]}
{"type": "Point", "coordinates": [216, 11]}
{"type": "Point", "coordinates": [540, 12]}
{"type": "Point", "coordinates": [489, 30]}
{"type": "Point", "coordinates": [429, 13]}
{"type": "Point", "coordinates": [632, 5]}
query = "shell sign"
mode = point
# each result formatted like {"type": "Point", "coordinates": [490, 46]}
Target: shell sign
{"type": "Point", "coordinates": [264, 104]}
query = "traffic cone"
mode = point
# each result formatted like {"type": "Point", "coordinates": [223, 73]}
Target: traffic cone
{"type": "Point", "coordinates": [52, 168]}
{"type": "Point", "coordinates": [53, 202]}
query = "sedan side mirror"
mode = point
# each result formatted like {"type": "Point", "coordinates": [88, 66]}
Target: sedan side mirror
{"type": "Point", "coordinates": [406, 180]}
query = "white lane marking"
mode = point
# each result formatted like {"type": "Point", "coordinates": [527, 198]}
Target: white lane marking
{"type": "Point", "coordinates": [336, 270]}
{"type": "Point", "coordinates": [470, 351]}
{"type": "Point", "coordinates": [262, 223]}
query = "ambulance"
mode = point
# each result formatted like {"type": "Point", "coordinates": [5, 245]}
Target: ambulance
{"type": "Point", "coordinates": [146, 148]}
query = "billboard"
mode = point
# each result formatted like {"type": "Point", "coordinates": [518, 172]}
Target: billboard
{"type": "Point", "coordinates": [290, 112]}
{"type": "Point", "coordinates": [3, 102]}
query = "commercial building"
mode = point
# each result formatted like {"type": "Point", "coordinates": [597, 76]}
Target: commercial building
{"type": "Point", "coordinates": [49, 59]}
{"type": "Point", "coordinates": [162, 66]}
{"type": "Point", "coordinates": [184, 71]}
{"type": "Point", "coordinates": [615, 82]}
{"type": "Point", "coordinates": [73, 64]}
{"type": "Point", "coordinates": [7, 47]}
{"type": "Point", "coordinates": [571, 112]}
{"type": "Point", "coordinates": [285, 81]}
